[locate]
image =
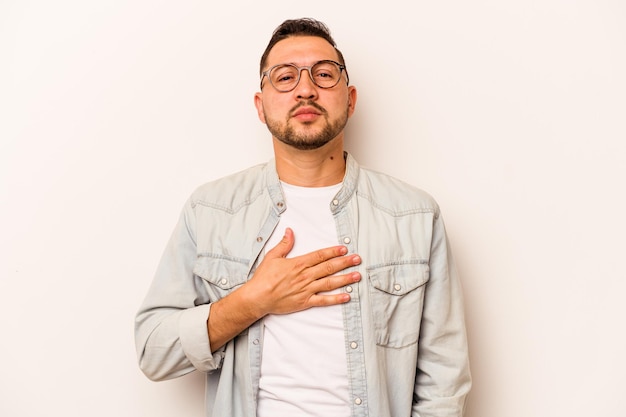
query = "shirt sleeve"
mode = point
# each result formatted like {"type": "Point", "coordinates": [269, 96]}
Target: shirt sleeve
{"type": "Point", "coordinates": [171, 335]}
{"type": "Point", "coordinates": [443, 378]}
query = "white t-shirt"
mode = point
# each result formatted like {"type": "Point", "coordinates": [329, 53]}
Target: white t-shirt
{"type": "Point", "coordinates": [303, 368]}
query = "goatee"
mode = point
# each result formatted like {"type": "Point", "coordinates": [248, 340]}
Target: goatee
{"type": "Point", "coordinates": [307, 141]}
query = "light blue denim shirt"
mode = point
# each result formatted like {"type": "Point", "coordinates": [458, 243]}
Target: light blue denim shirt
{"type": "Point", "coordinates": [405, 338]}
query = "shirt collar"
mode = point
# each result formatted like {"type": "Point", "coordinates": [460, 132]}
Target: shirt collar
{"type": "Point", "coordinates": [339, 201]}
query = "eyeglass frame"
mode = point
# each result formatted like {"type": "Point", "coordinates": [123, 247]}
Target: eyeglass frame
{"type": "Point", "coordinates": [342, 68]}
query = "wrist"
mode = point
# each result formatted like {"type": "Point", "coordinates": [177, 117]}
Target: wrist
{"type": "Point", "coordinates": [250, 303]}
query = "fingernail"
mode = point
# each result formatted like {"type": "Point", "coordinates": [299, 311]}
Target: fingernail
{"type": "Point", "coordinates": [356, 259]}
{"type": "Point", "coordinates": [356, 277]}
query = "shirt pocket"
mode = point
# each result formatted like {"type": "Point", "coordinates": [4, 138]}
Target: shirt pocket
{"type": "Point", "coordinates": [220, 275]}
{"type": "Point", "coordinates": [397, 300]}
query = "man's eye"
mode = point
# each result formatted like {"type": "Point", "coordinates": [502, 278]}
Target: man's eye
{"type": "Point", "coordinates": [284, 77]}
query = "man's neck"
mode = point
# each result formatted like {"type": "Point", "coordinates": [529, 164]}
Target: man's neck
{"type": "Point", "coordinates": [312, 168]}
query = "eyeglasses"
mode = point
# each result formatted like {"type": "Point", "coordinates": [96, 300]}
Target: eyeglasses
{"type": "Point", "coordinates": [285, 77]}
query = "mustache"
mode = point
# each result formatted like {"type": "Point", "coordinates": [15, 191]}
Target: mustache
{"type": "Point", "coordinates": [308, 103]}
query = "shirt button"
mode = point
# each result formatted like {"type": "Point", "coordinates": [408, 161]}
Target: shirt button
{"type": "Point", "coordinates": [224, 281]}
{"type": "Point", "coordinates": [354, 345]}
{"type": "Point", "coordinates": [255, 342]}
{"type": "Point", "coordinates": [358, 401]}
{"type": "Point", "coordinates": [397, 287]}
{"type": "Point", "coordinates": [280, 204]}
{"type": "Point", "coordinates": [259, 239]}
{"type": "Point", "coordinates": [335, 202]}
{"type": "Point", "coordinates": [348, 289]}
{"type": "Point", "coordinates": [346, 240]}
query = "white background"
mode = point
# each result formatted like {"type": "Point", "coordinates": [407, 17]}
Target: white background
{"type": "Point", "coordinates": [510, 113]}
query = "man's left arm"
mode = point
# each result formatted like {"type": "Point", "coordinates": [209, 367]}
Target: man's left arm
{"type": "Point", "coordinates": [443, 376]}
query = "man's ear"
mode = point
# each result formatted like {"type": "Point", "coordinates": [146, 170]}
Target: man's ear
{"type": "Point", "coordinates": [258, 103]}
{"type": "Point", "coordinates": [352, 95]}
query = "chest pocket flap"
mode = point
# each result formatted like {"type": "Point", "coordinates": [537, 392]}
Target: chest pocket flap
{"type": "Point", "coordinates": [399, 279]}
{"type": "Point", "coordinates": [221, 275]}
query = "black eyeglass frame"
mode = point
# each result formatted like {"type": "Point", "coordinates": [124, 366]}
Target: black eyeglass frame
{"type": "Point", "coordinates": [342, 68]}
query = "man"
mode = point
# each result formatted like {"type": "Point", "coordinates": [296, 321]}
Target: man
{"type": "Point", "coordinates": [309, 286]}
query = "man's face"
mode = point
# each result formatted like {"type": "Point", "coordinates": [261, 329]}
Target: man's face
{"type": "Point", "coordinates": [308, 117]}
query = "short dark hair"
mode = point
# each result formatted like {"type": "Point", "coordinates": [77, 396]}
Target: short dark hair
{"type": "Point", "coordinates": [299, 27]}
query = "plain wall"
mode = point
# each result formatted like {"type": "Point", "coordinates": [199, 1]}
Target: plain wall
{"type": "Point", "coordinates": [510, 113]}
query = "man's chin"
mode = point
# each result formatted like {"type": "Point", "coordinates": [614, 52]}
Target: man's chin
{"type": "Point", "coordinates": [303, 144]}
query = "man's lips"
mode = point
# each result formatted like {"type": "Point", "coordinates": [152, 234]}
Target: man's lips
{"type": "Point", "coordinates": [305, 112]}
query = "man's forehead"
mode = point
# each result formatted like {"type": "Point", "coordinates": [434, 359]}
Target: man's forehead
{"type": "Point", "coordinates": [302, 50]}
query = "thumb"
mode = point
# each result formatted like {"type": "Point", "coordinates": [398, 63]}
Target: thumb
{"type": "Point", "coordinates": [283, 247]}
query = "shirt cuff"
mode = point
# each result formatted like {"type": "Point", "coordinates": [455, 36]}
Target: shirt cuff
{"type": "Point", "coordinates": [194, 339]}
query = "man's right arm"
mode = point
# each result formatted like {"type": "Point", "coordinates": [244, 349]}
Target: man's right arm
{"type": "Point", "coordinates": [179, 328]}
